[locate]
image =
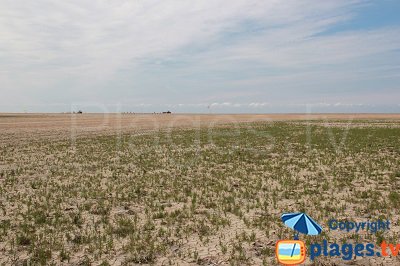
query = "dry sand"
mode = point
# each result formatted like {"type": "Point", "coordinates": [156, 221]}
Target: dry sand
{"type": "Point", "coordinates": [341, 182]}
{"type": "Point", "coordinates": [100, 122]}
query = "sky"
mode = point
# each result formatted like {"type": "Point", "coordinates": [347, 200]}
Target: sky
{"type": "Point", "coordinates": [210, 56]}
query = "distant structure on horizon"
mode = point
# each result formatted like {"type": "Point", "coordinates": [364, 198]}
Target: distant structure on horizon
{"type": "Point", "coordinates": [154, 113]}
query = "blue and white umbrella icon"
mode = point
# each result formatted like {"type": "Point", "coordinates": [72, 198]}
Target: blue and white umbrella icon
{"type": "Point", "coordinates": [302, 223]}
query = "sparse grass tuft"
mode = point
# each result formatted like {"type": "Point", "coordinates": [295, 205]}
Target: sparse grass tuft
{"type": "Point", "coordinates": [187, 196]}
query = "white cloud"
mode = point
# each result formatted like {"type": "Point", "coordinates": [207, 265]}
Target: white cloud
{"type": "Point", "coordinates": [76, 50]}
